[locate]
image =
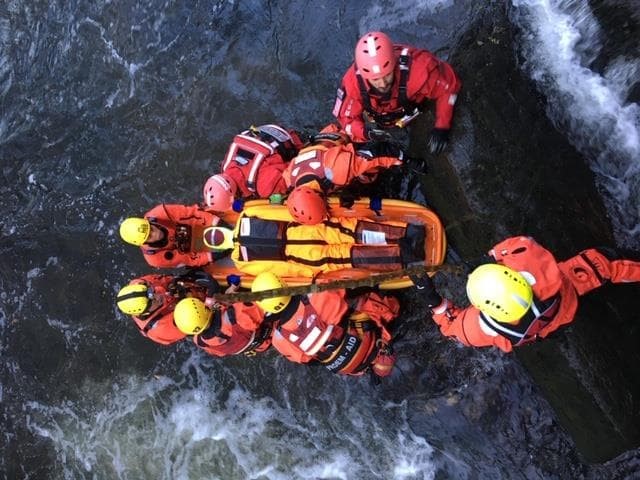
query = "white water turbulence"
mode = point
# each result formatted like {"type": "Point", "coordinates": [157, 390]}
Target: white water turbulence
{"type": "Point", "coordinates": [209, 423]}
{"type": "Point", "coordinates": [560, 40]}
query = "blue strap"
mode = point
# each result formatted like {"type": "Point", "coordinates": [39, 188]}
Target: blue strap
{"type": "Point", "coordinates": [375, 204]}
{"type": "Point", "coordinates": [238, 205]}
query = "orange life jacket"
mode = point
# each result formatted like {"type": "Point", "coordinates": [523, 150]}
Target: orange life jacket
{"type": "Point", "coordinates": [318, 327]}
{"type": "Point", "coordinates": [225, 336]}
{"type": "Point", "coordinates": [330, 167]}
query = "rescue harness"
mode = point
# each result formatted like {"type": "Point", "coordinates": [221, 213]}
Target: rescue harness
{"type": "Point", "coordinates": [537, 317]}
{"type": "Point", "coordinates": [407, 108]}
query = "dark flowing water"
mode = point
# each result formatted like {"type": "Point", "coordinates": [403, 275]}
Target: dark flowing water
{"type": "Point", "coordinates": [109, 108]}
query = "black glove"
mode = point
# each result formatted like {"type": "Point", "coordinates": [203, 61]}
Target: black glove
{"type": "Point", "coordinates": [428, 289]}
{"type": "Point", "coordinates": [375, 133]}
{"type": "Point", "coordinates": [204, 279]}
{"type": "Point", "coordinates": [438, 140]}
{"type": "Point", "coordinates": [375, 149]}
{"type": "Point", "coordinates": [415, 163]}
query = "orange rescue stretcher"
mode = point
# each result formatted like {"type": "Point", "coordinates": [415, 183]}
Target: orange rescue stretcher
{"type": "Point", "coordinates": [363, 209]}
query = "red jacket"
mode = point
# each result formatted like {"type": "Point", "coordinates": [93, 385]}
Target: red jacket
{"type": "Point", "coordinates": [429, 79]}
{"type": "Point", "coordinates": [159, 325]}
{"type": "Point", "coordinates": [556, 286]}
{"type": "Point", "coordinates": [238, 328]}
{"type": "Point", "coordinates": [182, 246]}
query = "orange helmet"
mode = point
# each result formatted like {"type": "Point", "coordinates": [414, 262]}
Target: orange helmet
{"type": "Point", "coordinates": [375, 57]}
{"type": "Point", "coordinates": [307, 206]}
{"type": "Point", "coordinates": [219, 192]}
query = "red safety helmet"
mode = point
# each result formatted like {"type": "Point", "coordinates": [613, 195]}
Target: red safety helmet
{"type": "Point", "coordinates": [307, 206]}
{"type": "Point", "coordinates": [219, 192]}
{"type": "Point", "coordinates": [375, 57]}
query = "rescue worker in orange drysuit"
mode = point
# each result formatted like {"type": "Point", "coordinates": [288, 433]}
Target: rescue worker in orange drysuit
{"type": "Point", "coordinates": [151, 299]}
{"type": "Point", "coordinates": [332, 162]}
{"type": "Point", "coordinates": [222, 330]}
{"type": "Point", "coordinates": [526, 294]}
{"type": "Point", "coordinates": [346, 334]}
{"type": "Point", "coordinates": [171, 235]}
{"type": "Point", "coordinates": [269, 160]}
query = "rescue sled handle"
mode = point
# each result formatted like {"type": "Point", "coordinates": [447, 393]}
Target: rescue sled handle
{"type": "Point", "coordinates": [370, 281]}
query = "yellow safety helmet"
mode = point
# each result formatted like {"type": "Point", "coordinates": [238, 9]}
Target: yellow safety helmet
{"type": "Point", "coordinates": [500, 292]}
{"type": "Point", "coordinates": [191, 316]}
{"type": "Point", "coordinates": [135, 230]}
{"type": "Point", "coordinates": [134, 299]}
{"type": "Point", "coordinates": [269, 281]}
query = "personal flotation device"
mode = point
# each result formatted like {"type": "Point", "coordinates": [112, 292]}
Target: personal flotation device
{"type": "Point", "coordinates": [355, 351]}
{"type": "Point", "coordinates": [251, 147]}
{"type": "Point", "coordinates": [330, 166]}
{"type": "Point", "coordinates": [304, 327]}
{"type": "Point", "coordinates": [182, 226]}
{"type": "Point", "coordinates": [535, 320]}
{"type": "Point", "coordinates": [313, 328]}
{"type": "Point", "coordinates": [334, 244]}
{"type": "Point", "coordinates": [308, 166]}
{"type": "Point", "coordinates": [405, 106]}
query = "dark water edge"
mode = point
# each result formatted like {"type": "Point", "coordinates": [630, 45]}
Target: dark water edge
{"type": "Point", "coordinates": [512, 173]}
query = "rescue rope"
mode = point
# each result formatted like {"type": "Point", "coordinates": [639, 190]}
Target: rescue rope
{"type": "Point", "coordinates": [371, 281]}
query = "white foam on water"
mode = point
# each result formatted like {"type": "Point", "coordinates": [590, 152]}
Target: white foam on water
{"type": "Point", "coordinates": [560, 41]}
{"type": "Point", "coordinates": [206, 423]}
{"type": "Point", "coordinates": [380, 16]}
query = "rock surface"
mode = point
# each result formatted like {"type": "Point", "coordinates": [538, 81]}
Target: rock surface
{"type": "Point", "coordinates": [510, 172]}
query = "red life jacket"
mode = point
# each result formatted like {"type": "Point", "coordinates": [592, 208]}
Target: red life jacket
{"type": "Point", "coordinates": [251, 147]}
